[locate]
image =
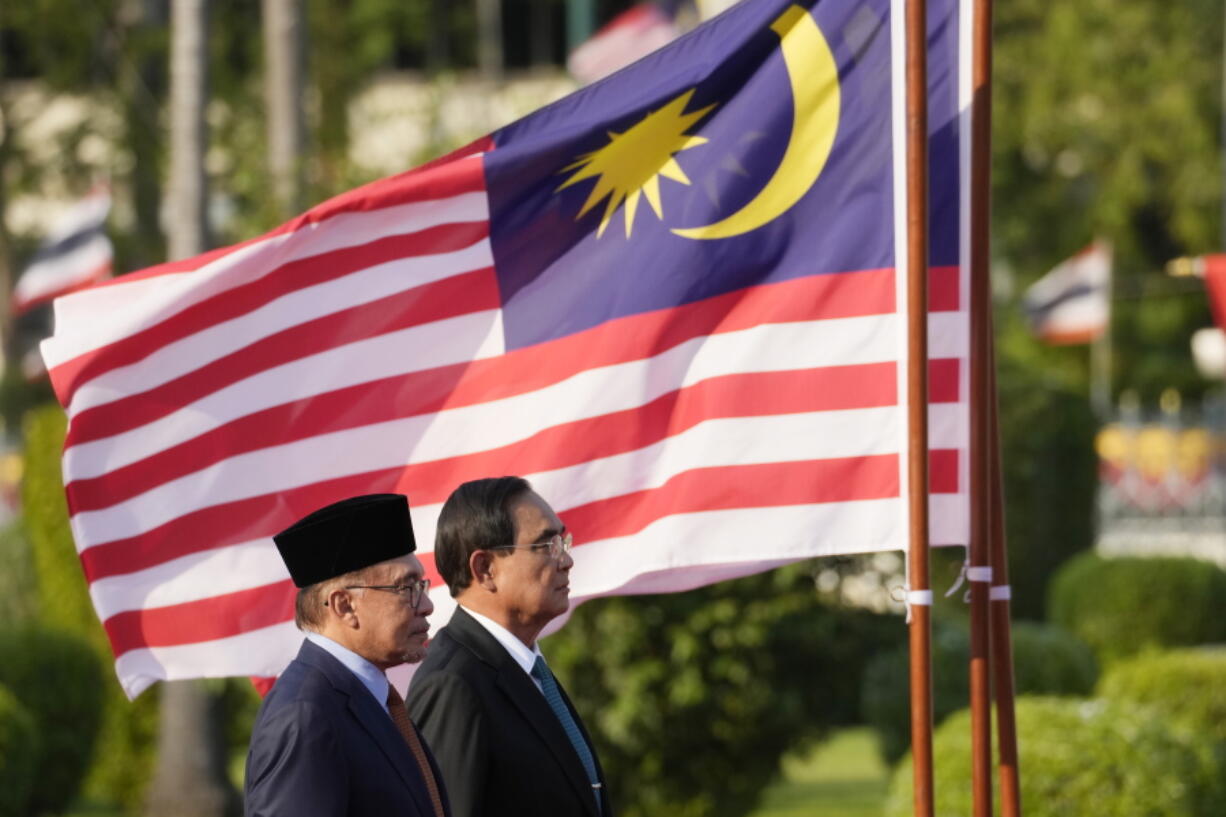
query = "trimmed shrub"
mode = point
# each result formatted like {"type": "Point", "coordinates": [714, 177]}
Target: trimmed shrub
{"type": "Point", "coordinates": [18, 747]}
{"type": "Point", "coordinates": [59, 681]}
{"type": "Point", "coordinates": [1123, 606]}
{"type": "Point", "coordinates": [1186, 686]}
{"type": "Point", "coordinates": [1046, 661]}
{"type": "Point", "coordinates": [1080, 757]}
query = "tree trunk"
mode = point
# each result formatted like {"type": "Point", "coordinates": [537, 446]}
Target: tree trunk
{"type": "Point", "coordinates": [489, 39]}
{"type": "Point", "coordinates": [142, 87]}
{"type": "Point", "coordinates": [284, 29]}
{"type": "Point", "coordinates": [189, 778]}
{"type": "Point", "coordinates": [438, 42]}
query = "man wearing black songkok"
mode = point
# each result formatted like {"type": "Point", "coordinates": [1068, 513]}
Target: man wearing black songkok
{"type": "Point", "coordinates": [333, 736]}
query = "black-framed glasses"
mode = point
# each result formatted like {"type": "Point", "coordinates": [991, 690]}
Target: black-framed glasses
{"type": "Point", "coordinates": [557, 545]}
{"type": "Point", "coordinates": [414, 589]}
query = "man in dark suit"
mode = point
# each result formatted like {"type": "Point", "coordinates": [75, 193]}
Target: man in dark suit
{"type": "Point", "coordinates": [333, 736]}
{"type": "Point", "coordinates": [507, 738]}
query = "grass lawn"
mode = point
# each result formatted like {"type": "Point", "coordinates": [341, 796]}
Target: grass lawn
{"type": "Point", "coordinates": [842, 777]}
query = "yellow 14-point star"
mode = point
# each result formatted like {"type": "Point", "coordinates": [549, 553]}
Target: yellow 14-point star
{"type": "Point", "coordinates": [631, 164]}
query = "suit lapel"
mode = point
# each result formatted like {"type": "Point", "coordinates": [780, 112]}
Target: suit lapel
{"type": "Point", "coordinates": [523, 694]}
{"type": "Point", "coordinates": [372, 718]}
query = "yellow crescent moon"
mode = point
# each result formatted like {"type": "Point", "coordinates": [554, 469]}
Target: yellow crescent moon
{"type": "Point", "coordinates": [814, 77]}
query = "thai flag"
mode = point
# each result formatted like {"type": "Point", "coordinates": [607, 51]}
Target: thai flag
{"type": "Point", "coordinates": [1071, 304]}
{"type": "Point", "coordinates": [631, 35]}
{"type": "Point", "coordinates": [75, 254]}
{"type": "Point", "coordinates": [673, 300]}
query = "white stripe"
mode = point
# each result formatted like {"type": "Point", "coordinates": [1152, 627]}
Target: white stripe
{"type": "Point", "coordinates": [98, 317]}
{"type": "Point", "coordinates": [330, 297]}
{"type": "Point", "coordinates": [87, 214]}
{"type": "Point", "coordinates": [475, 336]}
{"type": "Point", "coordinates": [1085, 313]}
{"type": "Point", "coordinates": [53, 275]}
{"type": "Point", "coordinates": [190, 578]}
{"type": "Point", "coordinates": [261, 653]}
{"type": "Point", "coordinates": [771, 347]}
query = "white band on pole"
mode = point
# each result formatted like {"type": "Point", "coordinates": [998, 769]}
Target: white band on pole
{"type": "Point", "coordinates": [979, 574]}
{"type": "Point", "coordinates": [1000, 593]}
{"type": "Point", "coordinates": [918, 598]}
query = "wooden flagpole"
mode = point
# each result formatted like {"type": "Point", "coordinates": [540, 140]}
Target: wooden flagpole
{"type": "Point", "coordinates": [984, 405]}
{"type": "Point", "coordinates": [1002, 637]}
{"type": "Point", "coordinates": [919, 597]}
{"type": "Point", "coordinates": [979, 568]}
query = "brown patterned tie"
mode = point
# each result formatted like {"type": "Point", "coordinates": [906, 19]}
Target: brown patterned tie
{"type": "Point", "coordinates": [400, 716]}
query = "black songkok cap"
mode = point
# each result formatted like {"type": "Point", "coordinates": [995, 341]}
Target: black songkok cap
{"type": "Point", "coordinates": [348, 535]}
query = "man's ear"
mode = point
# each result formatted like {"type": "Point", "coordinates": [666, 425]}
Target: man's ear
{"type": "Point", "coordinates": [481, 568]}
{"type": "Point", "coordinates": [340, 607]}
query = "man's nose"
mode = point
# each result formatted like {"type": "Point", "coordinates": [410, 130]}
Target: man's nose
{"type": "Point", "coordinates": [425, 607]}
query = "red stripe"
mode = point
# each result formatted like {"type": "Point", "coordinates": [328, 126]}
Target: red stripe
{"type": "Point", "coordinates": [206, 619]}
{"type": "Point", "coordinates": [442, 178]}
{"type": "Point", "coordinates": [244, 299]}
{"type": "Point", "coordinates": [739, 486]}
{"type": "Point", "coordinates": [1072, 337]}
{"type": "Point", "coordinates": [227, 524]}
{"type": "Point", "coordinates": [944, 289]}
{"type": "Point", "coordinates": [943, 471]}
{"type": "Point", "coordinates": [746, 395]}
{"type": "Point", "coordinates": [943, 380]}
{"type": "Point", "coordinates": [431, 302]}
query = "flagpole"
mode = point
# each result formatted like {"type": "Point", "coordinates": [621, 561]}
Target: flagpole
{"type": "Point", "coordinates": [1002, 636]}
{"type": "Point", "coordinates": [979, 569]}
{"type": "Point", "coordinates": [919, 597]}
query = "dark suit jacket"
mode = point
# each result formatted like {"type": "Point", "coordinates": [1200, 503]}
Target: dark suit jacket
{"type": "Point", "coordinates": [322, 746]}
{"type": "Point", "coordinates": [502, 750]}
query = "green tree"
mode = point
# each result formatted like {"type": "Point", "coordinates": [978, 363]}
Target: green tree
{"type": "Point", "coordinates": [1105, 122]}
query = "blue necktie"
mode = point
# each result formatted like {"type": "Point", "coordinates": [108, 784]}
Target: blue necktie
{"type": "Point", "coordinates": [553, 696]}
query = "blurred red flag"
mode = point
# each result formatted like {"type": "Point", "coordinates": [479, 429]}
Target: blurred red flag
{"type": "Point", "coordinates": [1213, 267]}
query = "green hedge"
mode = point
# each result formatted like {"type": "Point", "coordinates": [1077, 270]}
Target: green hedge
{"type": "Point", "coordinates": [124, 758]}
{"type": "Point", "coordinates": [59, 681]}
{"type": "Point", "coordinates": [1122, 606]}
{"type": "Point", "coordinates": [1080, 757]}
{"type": "Point", "coordinates": [1047, 661]}
{"type": "Point", "coordinates": [1186, 686]}
{"type": "Point", "coordinates": [18, 753]}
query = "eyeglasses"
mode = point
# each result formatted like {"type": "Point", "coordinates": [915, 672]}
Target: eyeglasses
{"type": "Point", "coordinates": [414, 589]}
{"type": "Point", "coordinates": [557, 545]}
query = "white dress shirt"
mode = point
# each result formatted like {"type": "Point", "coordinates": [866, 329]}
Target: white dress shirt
{"type": "Point", "coordinates": [524, 655]}
{"type": "Point", "coordinates": [371, 676]}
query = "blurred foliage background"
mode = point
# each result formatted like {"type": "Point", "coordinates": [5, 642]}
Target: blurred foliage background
{"type": "Point", "coordinates": [1106, 123]}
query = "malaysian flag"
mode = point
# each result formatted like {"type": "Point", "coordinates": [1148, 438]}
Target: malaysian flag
{"type": "Point", "coordinates": [673, 300]}
{"type": "Point", "coordinates": [75, 254]}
